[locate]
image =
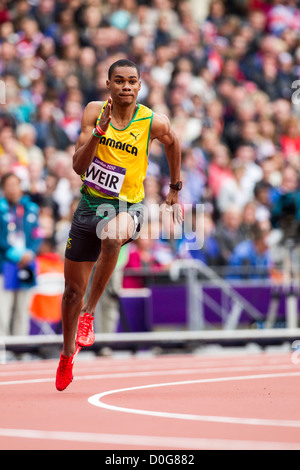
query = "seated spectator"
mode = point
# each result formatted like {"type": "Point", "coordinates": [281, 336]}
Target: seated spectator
{"type": "Point", "coordinates": [249, 133]}
{"type": "Point", "coordinates": [248, 218]}
{"type": "Point", "coordinates": [61, 166]}
{"type": "Point", "coordinates": [10, 145]}
{"type": "Point", "coordinates": [281, 110]}
{"type": "Point", "coordinates": [49, 133]}
{"type": "Point", "coordinates": [228, 232]}
{"type": "Point", "coordinates": [285, 208]}
{"type": "Point", "coordinates": [286, 74]}
{"type": "Point", "coordinates": [290, 139]}
{"type": "Point", "coordinates": [36, 181]}
{"type": "Point", "coordinates": [267, 143]}
{"type": "Point", "coordinates": [262, 196]}
{"type": "Point", "coordinates": [200, 243]}
{"type": "Point", "coordinates": [247, 155]}
{"type": "Point", "coordinates": [268, 81]}
{"type": "Point", "coordinates": [17, 101]}
{"type": "Point", "coordinates": [26, 135]}
{"type": "Point", "coordinates": [243, 110]}
{"type": "Point", "coordinates": [217, 12]}
{"type": "Point", "coordinates": [207, 142]}
{"type": "Point", "coordinates": [214, 115]}
{"type": "Point", "coordinates": [219, 169]}
{"type": "Point", "coordinates": [193, 169]}
{"type": "Point", "coordinates": [46, 198]}
{"type": "Point", "coordinates": [251, 259]}
{"type": "Point", "coordinates": [72, 120]}
{"type": "Point", "coordinates": [47, 221]}
{"type": "Point", "coordinates": [289, 184]}
{"type": "Point", "coordinates": [282, 16]}
{"type": "Point", "coordinates": [233, 190]}
{"type": "Point", "coordinates": [271, 169]}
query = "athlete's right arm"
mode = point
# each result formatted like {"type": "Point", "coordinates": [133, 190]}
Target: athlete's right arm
{"type": "Point", "coordinates": [86, 144]}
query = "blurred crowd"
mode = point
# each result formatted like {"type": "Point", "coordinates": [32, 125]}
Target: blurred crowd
{"type": "Point", "coordinates": [228, 79]}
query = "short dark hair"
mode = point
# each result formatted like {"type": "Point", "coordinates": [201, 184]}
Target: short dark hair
{"type": "Point", "coordinates": [122, 63]}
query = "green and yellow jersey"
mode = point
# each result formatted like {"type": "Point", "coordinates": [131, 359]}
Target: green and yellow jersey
{"type": "Point", "coordinates": [120, 165]}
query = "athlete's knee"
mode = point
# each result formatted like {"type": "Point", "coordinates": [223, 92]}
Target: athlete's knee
{"type": "Point", "coordinates": [73, 294]}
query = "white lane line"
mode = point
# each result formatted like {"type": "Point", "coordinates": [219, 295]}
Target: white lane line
{"type": "Point", "coordinates": [141, 369]}
{"type": "Point", "coordinates": [152, 373]}
{"type": "Point", "coordinates": [148, 442]}
{"type": "Point", "coordinates": [146, 363]}
{"type": "Point", "coordinates": [142, 364]}
{"type": "Point", "coordinates": [96, 400]}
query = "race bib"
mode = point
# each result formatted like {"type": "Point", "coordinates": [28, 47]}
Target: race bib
{"type": "Point", "coordinates": [105, 177]}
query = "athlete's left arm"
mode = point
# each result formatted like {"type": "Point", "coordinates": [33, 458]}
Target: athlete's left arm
{"type": "Point", "coordinates": [162, 131]}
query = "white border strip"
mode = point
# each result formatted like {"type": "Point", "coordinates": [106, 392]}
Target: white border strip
{"type": "Point", "coordinates": [151, 373]}
{"type": "Point", "coordinates": [163, 442]}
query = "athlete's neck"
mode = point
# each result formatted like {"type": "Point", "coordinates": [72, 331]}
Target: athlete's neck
{"type": "Point", "coordinates": [121, 116]}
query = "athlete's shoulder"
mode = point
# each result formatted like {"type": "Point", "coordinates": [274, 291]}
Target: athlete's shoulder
{"type": "Point", "coordinates": [160, 125]}
{"type": "Point", "coordinates": [91, 113]}
{"type": "Point", "coordinates": [94, 107]}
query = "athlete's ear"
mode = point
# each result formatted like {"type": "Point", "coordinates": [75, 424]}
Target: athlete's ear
{"type": "Point", "coordinates": [140, 84]}
{"type": "Point", "coordinates": [107, 84]}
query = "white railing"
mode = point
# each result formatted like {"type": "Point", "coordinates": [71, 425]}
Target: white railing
{"type": "Point", "coordinates": [233, 303]}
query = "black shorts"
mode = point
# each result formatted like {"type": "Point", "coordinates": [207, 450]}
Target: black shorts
{"type": "Point", "coordinates": [90, 217]}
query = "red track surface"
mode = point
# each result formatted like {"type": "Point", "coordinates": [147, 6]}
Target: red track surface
{"type": "Point", "coordinates": [245, 401]}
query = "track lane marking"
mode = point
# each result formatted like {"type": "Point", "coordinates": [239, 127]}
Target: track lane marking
{"type": "Point", "coordinates": [164, 442]}
{"type": "Point", "coordinates": [95, 400]}
{"type": "Point", "coordinates": [145, 374]}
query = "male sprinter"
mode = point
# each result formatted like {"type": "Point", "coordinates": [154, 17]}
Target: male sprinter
{"type": "Point", "coordinates": [111, 156]}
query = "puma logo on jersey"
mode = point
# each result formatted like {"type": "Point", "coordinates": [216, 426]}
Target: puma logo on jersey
{"type": "Point", "coordinates": [135, 136]}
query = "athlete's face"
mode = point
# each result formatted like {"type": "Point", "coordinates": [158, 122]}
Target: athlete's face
{"type": "Point", "coordinates": [124, 85]}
